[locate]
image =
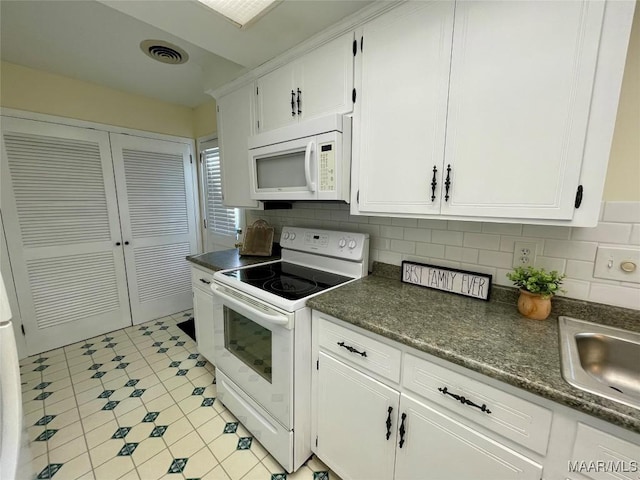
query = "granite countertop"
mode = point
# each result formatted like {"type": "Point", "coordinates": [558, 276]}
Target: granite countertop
{"type": "Point", "coordinates": [491, 338]}
{"type": "Point", "coordinates": [225, 259]}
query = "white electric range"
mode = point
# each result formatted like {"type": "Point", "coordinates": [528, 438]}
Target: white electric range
{"type": "Point", "coordinates": [262, 334]}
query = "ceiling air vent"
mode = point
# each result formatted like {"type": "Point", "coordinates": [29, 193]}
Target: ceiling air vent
{"type": "Point", "coordinates": [164, 52]}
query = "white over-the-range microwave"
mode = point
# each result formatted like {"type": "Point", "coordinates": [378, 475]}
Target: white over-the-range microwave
{"type": "Point", "coordinates": [310, 160]}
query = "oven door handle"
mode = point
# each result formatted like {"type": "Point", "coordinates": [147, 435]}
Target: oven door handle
{"type": "Point", "coordinates": [275, 319]}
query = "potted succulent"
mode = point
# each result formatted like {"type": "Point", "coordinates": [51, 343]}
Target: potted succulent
{"type": "Point", "coordinates": [536, 289]}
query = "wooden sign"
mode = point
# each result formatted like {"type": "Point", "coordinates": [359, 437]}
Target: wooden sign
{"type": "Point", "coordinates": [460, 282]}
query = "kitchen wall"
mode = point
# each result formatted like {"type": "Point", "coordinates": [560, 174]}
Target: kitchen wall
{"type": "Point", "coordinates": [33, 90]}
{"type": "Point", "coordinates": [623, 175]}
{"type": "Point", "coordinates": [204, 119]}
{"type": "Point", "coordinates": [485, 247]}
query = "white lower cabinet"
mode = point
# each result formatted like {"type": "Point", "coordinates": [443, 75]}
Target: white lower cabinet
{"type": "Point", "coordinates": [352, 412]}
{"type": "Point", "coordinates": [601, 456]}
{"type": "Point", "coordinates": [383, 410]}
{"type": "Point", "coordinates": [435, 445]}
{"type": "Point", "coordinates": [369, 426]}
{"type": "Point", "coordinates": [203, 311]}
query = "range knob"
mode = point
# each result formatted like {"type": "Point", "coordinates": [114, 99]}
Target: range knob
{"type": "Point", "coordinates": [352, 244]}
{"type": "Point", "coordinates": [285, 235]}
{"type": "Point", "coordinates": [342, 242]}
{"type": "Point", "coordinates": [292, 236]}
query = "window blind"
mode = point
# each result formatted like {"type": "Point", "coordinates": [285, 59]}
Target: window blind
{"type": "Point", "coordinates": [220, 219]}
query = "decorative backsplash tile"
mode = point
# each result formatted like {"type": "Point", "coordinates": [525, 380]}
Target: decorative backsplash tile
{"type": "Point", "coordinates": [484, 247]}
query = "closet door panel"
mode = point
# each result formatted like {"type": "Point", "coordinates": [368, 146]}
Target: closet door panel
{"type": "Point", "coordinates": [61, 221]}
{"type": "Point", "coordinates": [157, 213]}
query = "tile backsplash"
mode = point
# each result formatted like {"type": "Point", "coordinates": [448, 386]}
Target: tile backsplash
{"type": "Point", "coordinates": [485, 247]}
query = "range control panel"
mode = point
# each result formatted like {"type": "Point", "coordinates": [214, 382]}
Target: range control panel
{"type": "Point", "coordinates": [347, 245]}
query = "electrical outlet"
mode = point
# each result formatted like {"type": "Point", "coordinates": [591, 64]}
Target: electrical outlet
{"type": "Point", "coordinates": [524, 254]}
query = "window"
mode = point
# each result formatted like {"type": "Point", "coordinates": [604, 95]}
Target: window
{"type": "Point", "coordinates": [221, 223]}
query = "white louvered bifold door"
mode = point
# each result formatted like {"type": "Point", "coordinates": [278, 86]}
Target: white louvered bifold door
{"type": "Point", "coordinates": [157, 214]}
{"type": "Point", "coordinates": [59, 206]}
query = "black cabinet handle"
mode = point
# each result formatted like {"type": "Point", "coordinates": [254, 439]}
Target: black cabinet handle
{"type": "Point", "coordinates": [464, 401]}
{"type": "Point", "coordinates": [579, 194]}
{"type": "Point", "coordinates": [402, 430]}
{"type": "Point", "coordinates": [388, 423]}
{"type": "Point", "coordinates": [293, 103]}
{"type": "Point", "coordinates": [126, 243]}
{"type": "Point", "coordinates": [205, 281]}
{"type": "Point", "coordinates": [299, 100]}
{"type": "Point", "coordinates": [447, 184]}
{"type": "Point", "coordinates": [118, 244]}
{"type": "Point", "coordinates": [351, 349]}
{"type": "Point", "coordinates": [433, 184]}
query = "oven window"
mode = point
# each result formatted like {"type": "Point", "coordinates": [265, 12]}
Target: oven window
{"type": "Point", "coordinates": [249, 342]}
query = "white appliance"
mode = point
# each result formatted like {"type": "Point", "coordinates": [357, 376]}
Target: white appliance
{"type": "Point", "coordinates": [306, 161]}
{"type": "Point", "coordinates": [10, 393]}
{"type": "Point", "coordinates": [262, 334]}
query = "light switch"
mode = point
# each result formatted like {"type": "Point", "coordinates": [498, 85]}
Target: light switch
{"type": "Point", "coordinates": [618, 263]}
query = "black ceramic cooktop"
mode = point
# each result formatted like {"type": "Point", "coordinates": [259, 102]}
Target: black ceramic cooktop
{"type": "Point", "coordinates": [288, 280]}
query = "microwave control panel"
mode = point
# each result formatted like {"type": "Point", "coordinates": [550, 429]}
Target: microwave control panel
{"type": "Point", "coordinates": [327, 161]}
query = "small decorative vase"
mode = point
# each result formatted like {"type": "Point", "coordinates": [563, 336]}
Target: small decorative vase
{"type": "Point", "coordinates": [533, 306]}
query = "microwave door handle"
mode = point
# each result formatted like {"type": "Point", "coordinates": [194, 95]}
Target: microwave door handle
{"type": "Point", "coordinates": [307, 166]}
{"type": "Point", "coordinates": [273, 319]}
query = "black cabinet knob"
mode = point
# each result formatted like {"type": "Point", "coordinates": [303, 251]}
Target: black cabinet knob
{"type": "Point", "coordinates": [126, 243]}
{"type": "Point", "coordinates": [118, 244]}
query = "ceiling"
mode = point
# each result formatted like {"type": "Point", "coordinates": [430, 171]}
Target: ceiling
{"type": "Point", "coordinates": [98, 41]}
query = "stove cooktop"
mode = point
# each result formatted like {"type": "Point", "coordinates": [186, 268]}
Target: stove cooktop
{"type": "Point", "coordinates": [288, 280]}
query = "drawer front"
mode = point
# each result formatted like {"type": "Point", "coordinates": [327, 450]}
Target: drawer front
{"type": "Point", "coordinates": [360, 350]}
{"type": "Point", "coordinates": [201, 278]}
{"type": "Point", "coordinates": [510, 416]}
{"type": "Point", "coordinates": [601, 456]}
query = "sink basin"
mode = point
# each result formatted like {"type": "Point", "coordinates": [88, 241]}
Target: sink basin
{"type": "Point", "coordinates": [601, 359]}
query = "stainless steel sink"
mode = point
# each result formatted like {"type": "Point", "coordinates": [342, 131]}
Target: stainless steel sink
{"type": "Point", "coordinates": [601, 359]}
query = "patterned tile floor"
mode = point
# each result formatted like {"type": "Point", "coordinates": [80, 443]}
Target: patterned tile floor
{"type": "Point", "coordinates": [139, 403]}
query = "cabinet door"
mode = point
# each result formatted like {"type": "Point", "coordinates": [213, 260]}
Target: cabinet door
{"type": "Point", "coordinates": [437, 446]}
{"type": "Point", "coordinates": [274, 98]}
{"type": "Point", "coordinates": [325, 79]}
{"type": "Point", "coordinates": [203, 319]}
{"type": "Point", "coordinates": [597, 447]}
{"type": "Point", "coordinates": [401, 108]}
{"type": "Point", "coordinates": [521, 82]}
{"type": "Point", "coordinates": [235, 125]}
{"type": "Point", "coordinates": [352, 411]}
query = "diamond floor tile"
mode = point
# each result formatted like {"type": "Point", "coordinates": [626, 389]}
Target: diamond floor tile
{"type": "Point", "coordinates": [142, 420]}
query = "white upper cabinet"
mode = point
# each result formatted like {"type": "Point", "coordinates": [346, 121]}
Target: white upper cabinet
{"type": "Point", "coordinates": [521, 80]}
{"type": "Point", "coordinates": [400, 123]}
{"type": "Point", "coordinates": [276, 95]}
{"type": "Point", "coordinates": [492, 110]}
{"type": "Point", "coordinates": [235, 125]}
{"type": "Point", "coordinates": [316, 84]}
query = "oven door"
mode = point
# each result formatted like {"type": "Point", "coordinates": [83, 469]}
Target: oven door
{"type": "Point", "coordinates": [254, 348]}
